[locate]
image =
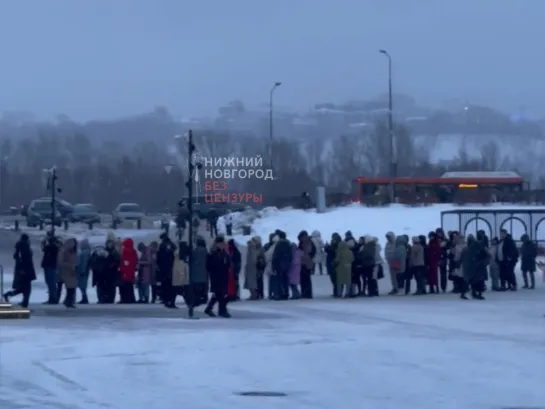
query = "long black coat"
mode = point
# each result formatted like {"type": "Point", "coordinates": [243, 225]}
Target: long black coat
{"type": "Point", "coordinates": [24, 272]}
{"type": "Point", "coordinates": [218, 264]}
{"type": "Point", "coordinates": [528, 255]}
{"type": "Point", "coordinates": [474, 261]}
{"type": "Point", "coordinates": [165, 261]}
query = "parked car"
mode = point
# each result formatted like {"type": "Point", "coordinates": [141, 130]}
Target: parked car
{"type": "Point", "coordinates": [39, 210]}
{"type": "Point", "coordinates": [127, 212]}
{"type": "Point", "coordinates": [85, 213]}
{"type": "Point", "coordinates": [64, 208]}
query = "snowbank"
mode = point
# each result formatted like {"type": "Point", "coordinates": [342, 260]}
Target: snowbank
{"type": "Point", "coordinates": [362, 221]}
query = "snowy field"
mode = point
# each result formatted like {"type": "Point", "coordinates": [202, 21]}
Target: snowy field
{"type": "Point", "coordinates": [388, 352]}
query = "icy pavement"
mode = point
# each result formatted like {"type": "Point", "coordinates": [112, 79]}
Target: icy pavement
{"type": "Point", "coordinates": [389, 352]}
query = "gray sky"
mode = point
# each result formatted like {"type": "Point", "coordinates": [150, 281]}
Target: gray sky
{"type": "Point", "coordinates": [107, 58]}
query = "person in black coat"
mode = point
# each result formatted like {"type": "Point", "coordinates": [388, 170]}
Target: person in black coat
{"type": "Point", "coordinates": [213, 217]}
{"type": "Point", "coordinates": [165, 264]}
{"type": "Point", "coordinates": [24, 272]}
{"type": "Point", "coordinates": [218, 264]}
{"type": "Point", "coordinates": [528, 265]}
{"type": "Point", "coordinates": [281, 264]}
{"type": "Point", "coordinates": [507, 258]}
{"type": "Point", "coordinates": [236, 262]}
{"type": "Point", "coordinates": [50, 249]}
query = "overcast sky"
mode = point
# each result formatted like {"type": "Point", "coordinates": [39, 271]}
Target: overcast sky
{"type": "Point", "coordinates": [107, 58]}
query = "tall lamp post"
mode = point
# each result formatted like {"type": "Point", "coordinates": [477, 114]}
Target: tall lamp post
{"type": "Point", "coordinates": [393, 156]}
{"type": "Point", "coordinates": [271, 134]}
{"type": "Point", "coordinates": [192, 166]}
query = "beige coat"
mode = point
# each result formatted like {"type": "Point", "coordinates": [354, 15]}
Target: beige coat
{"type": "Point", "coordinates": [66, 264]}
{"type": "Point", "coordinates": [180, 274]}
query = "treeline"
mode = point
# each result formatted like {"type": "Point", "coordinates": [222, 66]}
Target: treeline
{"type": "Point", "coordinates": [114, 171]}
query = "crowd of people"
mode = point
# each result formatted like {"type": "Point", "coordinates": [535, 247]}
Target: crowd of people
{"type": "Point", "coordinates": [160, 271]}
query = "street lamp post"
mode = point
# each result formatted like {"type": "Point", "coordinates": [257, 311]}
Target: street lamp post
{"type": "Point", "coordinates": [276, 85]}
{"type": "Point", "coordinates": [393, 156]}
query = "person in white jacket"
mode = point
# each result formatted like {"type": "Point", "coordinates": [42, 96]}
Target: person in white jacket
{"type": "Point", "coordinates": [319, 258]}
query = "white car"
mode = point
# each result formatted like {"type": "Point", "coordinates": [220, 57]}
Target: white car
{"type": "Point", "coordinates": [127, 212]}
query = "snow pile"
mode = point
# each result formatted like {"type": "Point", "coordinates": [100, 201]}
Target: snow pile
{"type": "Point", "coordinates": [361, 221]}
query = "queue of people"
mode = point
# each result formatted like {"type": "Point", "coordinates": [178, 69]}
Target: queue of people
{"type": "Point", "coordinates": [160, 271]}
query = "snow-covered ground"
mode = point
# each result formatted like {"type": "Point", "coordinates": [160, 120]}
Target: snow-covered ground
{"type": "Point", "coordinates": [389, 352]}
{"type": "Point", "coordinates": [396, 352]}
{"type": "Point", "coordinates": [377, 222]}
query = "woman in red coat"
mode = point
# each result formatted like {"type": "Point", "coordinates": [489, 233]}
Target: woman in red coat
{"type": "Point", "coordinates": [231, 281]}
{"type": "Point", "coordinates": [434, 257]}
{"type": "Point", "coordinates": [127, 269]}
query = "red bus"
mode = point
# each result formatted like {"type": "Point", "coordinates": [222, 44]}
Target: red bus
{"type": "Point", "coordinates": [449, 188]}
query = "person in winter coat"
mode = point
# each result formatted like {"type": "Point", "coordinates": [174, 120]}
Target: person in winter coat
{"type": "Point", "coordinates": [528, 255]}
{"type": "Point", "coordinates": [507, 257]}
{"type": "Point", "coordinates": [127, 271]}
{"type": "Point", "coordinates": [367, 260]}
{"type": "Point", "coordinates": [395, 253]}
{"type": "Point", "coordinates": [67, 263]}
{"type": "Point", "coordinates": [417, 266]}
{"type": "Point", "coordinates": [50, 249]}
{"type": "Point", "coordinates": [112, 278]}
{"type": "Point", "coordinates": [269, 251]}
{"type": "Point", "coordinates": [281, 265]}
{"type": "Point", "coordinates": [391, 260]}
{"type": "Point", "coordinates": [143, 279]}
{"type": "Point", "coordinates": [236, 265]}
{"type": "Point", "coordinates": [457, 272]}
{"type": "Point", "coordinates": [319, 258]}
{"type": "Point", "coordinates": [24, 273]}
{"type": "Point", "coordinates": [355, 273]}
{"type": "Point", "coordinates": [155, 288]}
{"type": "Point", "coordinates": [165, 263]}
{"type": "Point", "coordinates": [212, 218]}
{"type": "Point", "coordinates": [474, 261]}
{"type": "Point", "coordinates": [378, 271]}
{"type": "Point", "coordinates": [294, 275]}
{"type": "Point", "coordinates": [260, 268]}
{"type": "Point", "coordinates": [218, 266]}
{"type": "Point", "coordinates": [331, 254]}
{"type": "Point", "coordinates": [180, 277]}
{"type": "Point", "coordinates": [434, 257]}
{"type": "Point", "coordinates": [199, 274]}
{"type": "Point", "coordinates": [494, 267]}
{"type": "Point", "coordinates": [250, 270]}
{"type": "Point", "coordinates": [307, 264]}
{"type": "Point", "coordinates": [228, 219]}
{"type": "Point", "coordinates": [443, 259]}
{"type": "Point", "coordinates": [343, 269]}
{"type": "Point", "coordinates": [83, 268]}
{"type": "Point", "coordinates": [99, 270]}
